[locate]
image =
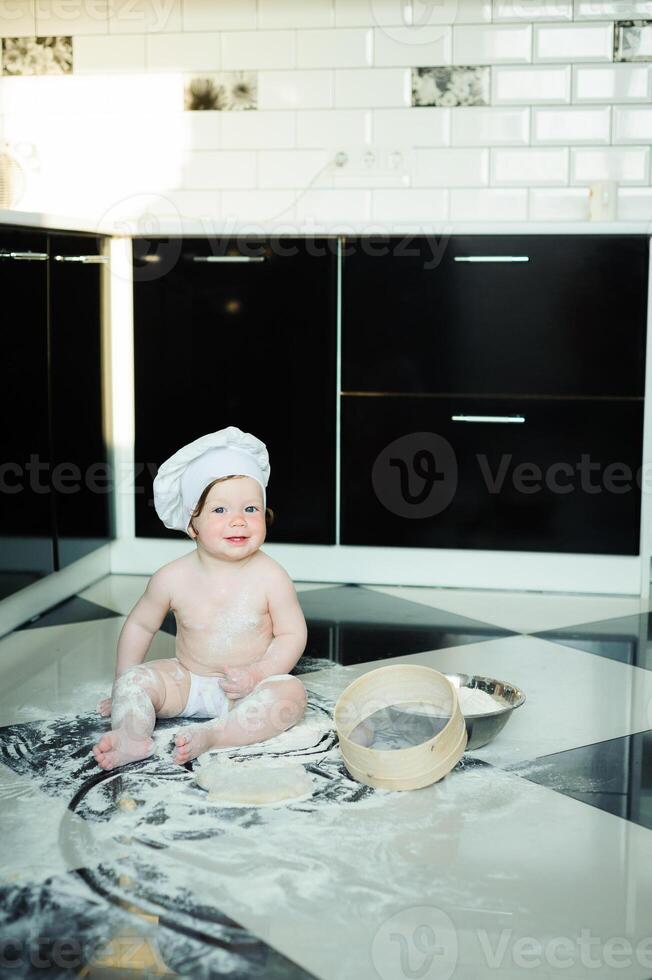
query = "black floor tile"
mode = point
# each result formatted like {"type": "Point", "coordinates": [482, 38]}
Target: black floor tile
{"type": "Point", "coordinates": [75, 610]}
{"type": "Point", "coordinates": [615, 775]}
{"type": "Point", "coordinates": [627, 639]}
{"type": "Point", "coordinates": [11, 582]}
{"type": "Point", "coordinates": [351, 625]}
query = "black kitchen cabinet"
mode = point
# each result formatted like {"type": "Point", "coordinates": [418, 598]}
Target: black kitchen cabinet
{"type": "Point", "coordinates": [26, 515]}
{"type": "Point", "coordinates": [419, 472]}
{"type": "Point", "coordinates": [81, 481]}
{"type": "Point", "coordinates": [240, 332]}
{"type": "Point", "coordinates": [547, 315]}
{"type": "Point", "coordinates": [51, 398]}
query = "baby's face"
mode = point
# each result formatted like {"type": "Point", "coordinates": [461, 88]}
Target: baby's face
{"type": "Point", "coordinates": [232, 522]}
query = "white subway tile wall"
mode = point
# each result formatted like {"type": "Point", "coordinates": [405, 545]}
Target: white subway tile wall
{"type": "Point", "coordinates": [505, 44]}
{"type": "Point", "coordinates": [134, 16]}
{"type": "Point", "coordinates": [528, 104]}
{"type": "Point", "coordinates": [573, 42]}
{"type": "Point", "coordinates": [529, 86]}
{"type": "Point", "coordinates": [56, 18]}
{"type": "Point", "coordinates": [612, 83]}
{"type": "Point", "coordinates": [520, 166]}
{"type": "Point", "coordinates": [571, 125]}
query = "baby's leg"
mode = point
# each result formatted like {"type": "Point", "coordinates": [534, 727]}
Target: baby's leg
{"type": "Point", "coordinates": [273, 706]}
{"type": "Point", "coordinates": [139, 695]}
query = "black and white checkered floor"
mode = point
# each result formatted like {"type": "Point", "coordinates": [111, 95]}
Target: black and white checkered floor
{"type": "Point", "coordinates": [533, 857]}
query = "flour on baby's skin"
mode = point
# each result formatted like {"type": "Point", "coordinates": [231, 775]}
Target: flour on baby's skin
{"type": "Point", "coordinates": [239, 618]}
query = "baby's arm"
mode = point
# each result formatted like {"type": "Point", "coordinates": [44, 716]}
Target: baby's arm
{"type": "Point", "coordinates": [289, 642]}
{"type": "Point", "coordinates": [288, 627]}
{"type": "Point", "coordinates": [143, 622]}
{"type": "Point", "coordinates": [139, 628]}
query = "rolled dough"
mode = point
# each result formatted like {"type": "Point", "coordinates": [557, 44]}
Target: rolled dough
{"type": "Point", "coordinates": [254, 784]}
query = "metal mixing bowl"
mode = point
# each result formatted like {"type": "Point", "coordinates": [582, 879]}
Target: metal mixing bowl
{"type": "Point", "coordinates": [482, 728]}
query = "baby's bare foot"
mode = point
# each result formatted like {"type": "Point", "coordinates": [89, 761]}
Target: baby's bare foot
{"type": "Point", "coordinates": [104, 707]}
{"type": "Point", "coordinates": [193, 740]}
{"type": "Point", "coordinates": [117, 749]}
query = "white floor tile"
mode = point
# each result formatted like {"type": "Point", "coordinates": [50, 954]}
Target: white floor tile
{"type": "Point", "coordinates": [523, 612]}
{"type": "Point", "coordinates": [573, 698]}
{"type": "Point", "coordinates": [309, 586]}
{"type": "Point", "coordinates": [480, 860]}
{"type": "Point", "coordinates": [117, 592]}
{"type": "Point", "coordinates": [55, 670]}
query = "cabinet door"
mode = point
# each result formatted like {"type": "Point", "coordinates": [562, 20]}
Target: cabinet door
{"type": "Point", "coordinates": [80, 480]}
{"type": "Point", "coordinates": [26, 533]}
{"type": "Point", "coordinates": [241, 332]}
{"type": "Point", "coordinates": [416, 472]}
{"type": "Point", "coordinates": [535, 314]}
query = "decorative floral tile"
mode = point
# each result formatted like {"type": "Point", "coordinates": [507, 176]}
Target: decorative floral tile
{"type": "Point", "coordinates": [454, 85]}
{"type": "Point", "coordinates": [633, 40]}
{"type": "Point", "coordinates": [36, 55]}
{"type": "Point", "coordinates": [222, 91]}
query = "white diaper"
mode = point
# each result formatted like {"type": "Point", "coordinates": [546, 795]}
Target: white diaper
{"type": "Point", "coordinates": [206, 699]}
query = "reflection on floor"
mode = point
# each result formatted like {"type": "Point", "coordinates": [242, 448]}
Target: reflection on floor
{"type": "Point", "coordinates": [544, 834]}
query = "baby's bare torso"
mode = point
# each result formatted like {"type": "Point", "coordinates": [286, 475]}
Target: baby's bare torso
{"type": "Point", "coordinates": [223, 617]}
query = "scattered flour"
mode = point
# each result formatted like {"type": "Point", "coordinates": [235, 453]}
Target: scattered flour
{"type": "Point", "coordinates": [473, 701]}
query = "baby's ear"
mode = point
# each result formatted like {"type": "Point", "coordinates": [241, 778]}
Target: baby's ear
{"type": "Point", "coordinates": [190, 531]}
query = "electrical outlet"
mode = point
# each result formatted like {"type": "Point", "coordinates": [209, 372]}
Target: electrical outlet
{"type": "Point", "coordinates": [372, 166]}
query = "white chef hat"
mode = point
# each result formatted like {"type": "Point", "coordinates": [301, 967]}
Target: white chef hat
{"type": "Point", "coordinates": [182, 478]}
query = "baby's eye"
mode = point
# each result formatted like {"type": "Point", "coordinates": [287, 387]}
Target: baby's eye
{"type": "Point", "coordinates": [251, 507]}
{"type": "Point", "coordinates": [218, 510]}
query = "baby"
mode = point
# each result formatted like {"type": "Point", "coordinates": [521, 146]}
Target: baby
{"type": "Point", "coordinates": [240, 629]}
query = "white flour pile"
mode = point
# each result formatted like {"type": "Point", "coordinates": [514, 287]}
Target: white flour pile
{"type": "Point", "coordinates": [473, 701]}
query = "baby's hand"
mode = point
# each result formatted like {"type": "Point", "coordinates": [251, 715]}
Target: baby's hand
{"type": "Point", "coordinates": [104, 707]}
{"type": "Point", "coordinates": [238, 682]}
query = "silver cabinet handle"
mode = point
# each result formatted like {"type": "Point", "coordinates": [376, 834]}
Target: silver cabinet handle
{"type": "Point", "coordinates": [488, 418]}
{"type": "Point", "coordinates": [492, 258]}
{"type": "Point", "coordinates": [25, 256]}
{"type": "Point", "coordinates": [228, 258]}
{"type": "Point", "coordinates": [85, 259]}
